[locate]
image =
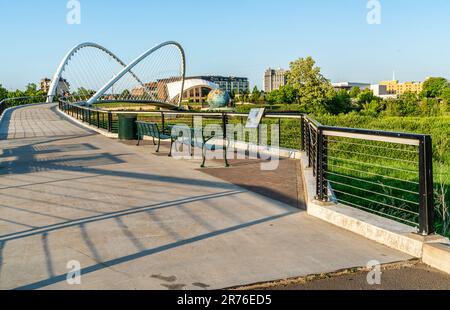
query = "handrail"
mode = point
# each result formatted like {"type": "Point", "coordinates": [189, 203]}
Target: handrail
{"type": "Point", "coordinates": [6, 103]}
{"type": "Point", "coordinates": [330, 170]}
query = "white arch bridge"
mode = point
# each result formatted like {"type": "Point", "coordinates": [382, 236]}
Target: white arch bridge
{"type": "Point", "coordinates": [89, 73]}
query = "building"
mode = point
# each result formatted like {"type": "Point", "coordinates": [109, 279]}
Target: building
{"type": "Point", "coordinates": [195, 90]}
{"type": "Point", "coordinates": [168, 90]}
{"type": "Point", "coordinates": [45, 84]}
{"type": "Point", "coordinates": [231, 84]}
{"type": "Point", "coordinates": [62, 89]}
{"type": "Point", "coordinates": [381, 91]}
{"type": "Point", "coordinates": [350, 85]}
{"type": "Point", "coordinates": [150, 88]}
{"type": "Point", "coordinates": [395, 88]}
{"type": "Point", "coordinates": [274, 79]}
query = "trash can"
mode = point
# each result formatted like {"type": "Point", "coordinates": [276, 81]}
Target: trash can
{"type": "Point", "coordinates": [127, 126]}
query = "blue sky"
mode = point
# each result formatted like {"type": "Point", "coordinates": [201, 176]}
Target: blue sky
{"type": "Point", "coordinates": [235, 37]}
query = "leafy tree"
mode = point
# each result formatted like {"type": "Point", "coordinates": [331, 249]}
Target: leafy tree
{"type": "Point", "coordinates": [373, 108]}
{"type": "Point", "coordinates": [314, 90]}
{"type": "Point", "coordinates": [286, 94]}
{"type": "Point", "coordinates": [354, 92]}
{"type": "Point", "coordinates": [409, 104]}
{"type": "Point", "coordinates": [256, 95]}
{"type": "Point", "coordinates": [364, 97]}
{"type": "Point", "coordinates": [125, 94]}
{"type": "Point", "coordinates": [17, 93]}
{"type": "Point", "coordinates": [445, 95]}
{"type": "Point", "coordinates": [434, 87]}
{"type": "Point", "coordinates": [31, 90]}
{"type": "Point", "coordinates": [3, 92]}
{"type": "Point", "coordinates": [340, 102]}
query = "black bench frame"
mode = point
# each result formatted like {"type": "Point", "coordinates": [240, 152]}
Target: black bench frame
{"type": "Point", "coordinates": [192, 143]}
{"type": "Point", "coordinates": [150, 130]}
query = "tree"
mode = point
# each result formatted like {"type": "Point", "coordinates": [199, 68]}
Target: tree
{"type": "Point", "coordinates": [314, 90]}
{"type": "Point", "coordinates": [256, 95]}
{"type": "Point", "coordinates": [373, 108]}
{"type": "Point", "coordinates": [125, 94]}
{"type": "Point", "coordinates": [3, 92]}
{"type": "Point", "coordinates": [31, 90]}
{"type": "Point", "coordinates": [340, 102]}
{"type": "Point", "coordinates": [445, 95]}
{"type": "Point", "coordinates": [354, 92]}
{"type": "Point", "coordinates": [364, 97]}
{"type": "Point", "coordinates": [286, 94]}
{"type": "Point", "coordinates": [434, 87]}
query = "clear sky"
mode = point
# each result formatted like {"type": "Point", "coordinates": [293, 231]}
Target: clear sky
{"type": "Point", "coordinates": [235, 37]}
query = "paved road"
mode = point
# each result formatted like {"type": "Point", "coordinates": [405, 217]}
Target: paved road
{"type": "Point", "coordinates": [135, 220]}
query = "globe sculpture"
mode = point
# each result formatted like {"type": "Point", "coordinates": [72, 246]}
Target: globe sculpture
{"type": "Point", "coordinates": [218, 99]}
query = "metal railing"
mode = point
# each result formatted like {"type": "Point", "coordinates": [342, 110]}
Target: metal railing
{"type": "Point", "coordinates": [289, 123]}
{"type": "Point", "coordinates": [386, 173]}
{"type": "Point", "coordinates": [18, 101]}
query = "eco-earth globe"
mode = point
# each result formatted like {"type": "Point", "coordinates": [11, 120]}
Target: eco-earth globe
{"type": "Point", "coordinates": [218, 99]}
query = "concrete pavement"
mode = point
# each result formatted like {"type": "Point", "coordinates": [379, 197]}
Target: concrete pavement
{"type": "Point", "coordinates": [135, 220]}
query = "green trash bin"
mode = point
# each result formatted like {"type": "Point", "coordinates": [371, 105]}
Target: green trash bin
{"type": "Point", "coordinates": [127, 126]}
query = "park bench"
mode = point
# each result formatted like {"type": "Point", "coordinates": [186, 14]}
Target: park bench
{"type": "Point", "coordinates": [196, 139]}
{"type": "Point", "coordinates": [150, 130]}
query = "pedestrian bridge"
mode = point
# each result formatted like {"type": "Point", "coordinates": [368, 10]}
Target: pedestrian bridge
{"type": "Point", "coordinates": [72, 195]}
{"type": "Point", "coordinates": [136, 220]}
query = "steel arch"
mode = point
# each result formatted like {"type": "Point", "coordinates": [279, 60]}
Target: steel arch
{"type": "Point", "coordinates": [128, 69]}
{"type": "Point", "coordinates": [69, 55]}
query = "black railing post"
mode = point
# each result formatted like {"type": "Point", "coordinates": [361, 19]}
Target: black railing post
{"type": "Point", "coordinates": [426, 210]}
{"type": "Point", "coordinates": [279, 132]}
{"type": "Point", "coordinates": [308, 143]}
{"type": "Point", "coordinates": [302, 133]}
{"type": "Point", "coordinates": [98, 119]}
{"type": "Point", "coordinates": [321, 191]}
{"type": "Point", "coordinates": [109, 121]}
{"type": "Point", "coordinates": [224, 125]}
{"type": "Point", "coordinates": [163, 122]}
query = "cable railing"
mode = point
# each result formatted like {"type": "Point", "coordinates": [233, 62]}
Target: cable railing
{"type": "Point", "coordinates": [385, 173]}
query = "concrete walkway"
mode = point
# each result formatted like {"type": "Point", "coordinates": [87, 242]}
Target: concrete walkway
{"type": "Point", "coordinates": [135, 220]}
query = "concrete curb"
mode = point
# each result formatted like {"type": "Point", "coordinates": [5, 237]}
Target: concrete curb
{"type": "Point", "coordinates": [382, 230]}
{"type": "Point", "coordinates": [437, 256]}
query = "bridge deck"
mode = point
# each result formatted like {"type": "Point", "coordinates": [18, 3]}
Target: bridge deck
{"type": "Point", "coordinates": [139, 221]}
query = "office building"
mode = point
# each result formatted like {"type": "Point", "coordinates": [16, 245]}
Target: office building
{"type": "Point", "coordinates": [274, 79]}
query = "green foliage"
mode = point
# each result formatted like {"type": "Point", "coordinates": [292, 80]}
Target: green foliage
{"type": "Point", "coordinates": [406, 105]}
{"type": "Point", "coordinates": [373, 108]}
{"type": "Point", "coordinates": [256, 95]}
{"type": "Point", "coordinates": [3, 92]}
{"type": "Point", "coordinates": [364, 97]}
{"type": "Point", "coordinates": [286, 94]}
{"type": "Point", "coordinates": [354, 92]}
{"type": "Point", "coordinates": [314, 90]}
{"type": "Point", "coordinates": [445, 95]}
{"type": "Point", "coordinates": [125, 93]}
{"type": "Point", "coordinates": [340, 102]}
{"type": "Point", "coordinates": [434, 87]}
